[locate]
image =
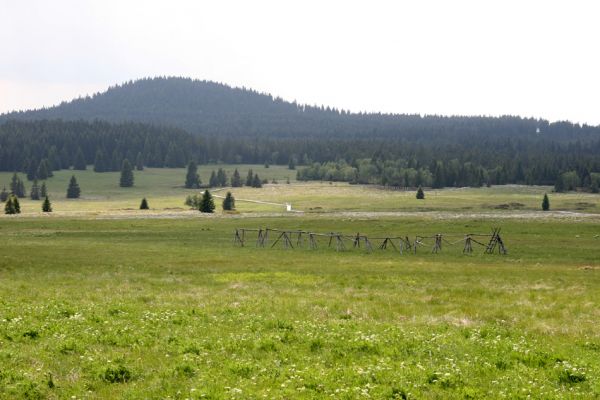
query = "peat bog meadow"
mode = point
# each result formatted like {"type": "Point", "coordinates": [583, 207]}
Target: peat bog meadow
{"type": "Point", "coordinates": [99, 301]}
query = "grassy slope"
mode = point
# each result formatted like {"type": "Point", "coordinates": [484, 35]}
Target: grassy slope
{"type": "Point", "coordinates": [190, 316]}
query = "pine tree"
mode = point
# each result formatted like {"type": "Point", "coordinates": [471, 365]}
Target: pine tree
{"type": "Point", "coordinates": [207, 204]}
{"type": "Point", "coordinates": [126, 174]}
{"type": "Point", "coordinates": [249, 178]}
{"type": "Point", "coordinates": [292, 163]}
{"type": "Point", "coordinates": [20, 189]}
{"type": "Point", "coordinates": [545, 203]}
{"type": "Point", "coordinates": [213, 181]}
{"type": "Point", "coordinates": [46, 206]}
{"type": "Point", "coordinates": [236, 180]}
{"type": "Point", "coordinates": [43, 190]}
{"type": "Point", "coordinates": [139, 162]}
{"type": "Point", "coordinates": [35, 191]}
{"type": "Point", "coordinates": [144, 204]}
{"type": "Point", "coordinates": [228, 202]}
{"type": "Point", "coordinates": [73, 191]}
{"type": "Point", "coordinates": [14, 183]}
{"type": "Point", "coordinates": [42, 170]}
{"type": "Point", "coordinates": [9, 207]}
{"type": "Point", "coordinates": [3, 195]}
{"type": "Point", "coordinates": [256, 182]}
{"type": "Point", "coordinates": [420, 193]}
{"type": "Point", "coordinates": [79, 162]}
{"type": "Point", "coordinates": [192, 179]}
{"type": "Point", "coordinates": [16, 205]}
{"type": "Point", "coordinates": [100, 162]}
{"type": "Point", "coordinates": [221, 177]}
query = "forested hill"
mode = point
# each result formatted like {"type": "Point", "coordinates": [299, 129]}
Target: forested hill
{"type": "Point", "coordinates": [209, 108]}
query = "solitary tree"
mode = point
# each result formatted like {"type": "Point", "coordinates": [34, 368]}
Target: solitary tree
{"type": "Point", "coordinates": [236, 180]}
{"type": "Point", "coordinates": [221, 177]}
{"type": "Point", "coordinates": [73, 191]}
{"type": "Point", "coordinates": [16, 205]}
{"type": "Point", "coordinates": [256, 182]}
{"type": "Point", "coordinates": [44, 171]}
{"type": "Point", "coordinates": [249, 178]}
{"type": "Point", "coordinates": [35, 191]}
{"type": "Point", "coordinates": [43, 190]}
{"type": "Point", "coordinates": [126, 174]}
{"type": "Point", "coordinates": [213, 181]}
{"type": "Point", "coordinates": [545, 203]}
{"type": "Point", "coordinates": [139, 162]}
{"type": "Point", "coordinates": [420, 193]}
{"type": "Point", "coordinates": [192, 179]}
{"type": "Point", "coordinates": [46, 206]}
{"type": "Point", "coordinates": [207, 204]}
{"type": "Point", "coordinates": [228, 202]}
{"type": "Point", "coordinates": [79, 162]}
{"type": "Point", "coordinates": [144, 204]}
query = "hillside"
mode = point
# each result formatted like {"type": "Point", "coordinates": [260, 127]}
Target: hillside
{"type": "Point", "coordinates": [209, 108]}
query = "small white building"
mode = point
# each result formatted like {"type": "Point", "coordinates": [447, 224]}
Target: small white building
{"type": "Point", "coordinates": [288, 207]}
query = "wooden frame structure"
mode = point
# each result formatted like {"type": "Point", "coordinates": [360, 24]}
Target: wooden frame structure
{"type": "Point", "coordinates": [397, 243]}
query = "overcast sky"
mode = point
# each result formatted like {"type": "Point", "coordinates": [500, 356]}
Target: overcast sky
{"type": "Point", "coordinates": [529, 58]}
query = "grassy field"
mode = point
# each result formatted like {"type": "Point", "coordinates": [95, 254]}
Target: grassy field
{"type": "Point", "coordinates": [168, 308]}
{"type": "Point", "coordinates": [101, 194]}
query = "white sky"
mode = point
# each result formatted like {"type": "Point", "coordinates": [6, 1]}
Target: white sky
{"type": "Point", "coordinates": [529, 58]}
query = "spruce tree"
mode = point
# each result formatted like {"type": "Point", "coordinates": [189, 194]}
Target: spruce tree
{"type": "Point", "coordinates": [3, 195]}
{"type": "Point", "coordinates": [221, 177]}
{"type": "Point", "coordinates": [228, 202]}
{"type": "Point", "coordinates": [139, 162]}
{"type": "Point", "coordinates": [79, 162]}
{"type": "Point", "coordinates": [43, 190]}
{"type": "Point", "coordinates": [256, 182]}
{"type": "Point", "coordinates": [20, 189]}
{"type": "Point", "coordinates": [16, 205]}
{"type": "Point", "coordinates": [35, 191]}
{"type": "Point", "coordinates": [545, 203]}
{"type": "Point", "coordinates": [207, 204]}
{"type": "Point", "coordinates": [42, 170]}
{"type": "Point", "coordinates": [249, 178]}
{"type": "Point", "coordinates": [46, 206]}
{"type": "Point", "coordinates": [236, 180]}
{"type": "Point", "coordinates": [73, 191]}
{"type": "Point", "coordinates": [126, 174]}
{"type": "Point", "coordinates": [14, 183]}
{"type": "Point", "coordinates": [144, 204]}
{"type": "Point", "coordinates": [192, 179]}
{"type": "Point", "coordinates": [213, 181]}
{"type": "Point", "coordinates": [9, 207]}
{"type": "Point", "coordinates": [99, 162]}
{"type": "Point", "coordinates": [420, 193]}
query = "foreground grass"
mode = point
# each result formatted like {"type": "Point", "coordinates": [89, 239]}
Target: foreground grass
{"type": "Point", "coordinates": [169, 308]}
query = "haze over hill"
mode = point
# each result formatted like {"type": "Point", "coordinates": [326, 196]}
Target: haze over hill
{"type": "Point", "coordinates": [209, 108]}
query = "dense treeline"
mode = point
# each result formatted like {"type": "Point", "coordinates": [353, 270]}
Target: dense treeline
{"type": "Point", "coordinates": [40, 147]}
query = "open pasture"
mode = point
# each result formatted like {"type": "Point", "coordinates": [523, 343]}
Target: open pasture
{"type": "Point", "coordinates": [169, 308]}
{"type": "Point", "coordinates": [164, 190]}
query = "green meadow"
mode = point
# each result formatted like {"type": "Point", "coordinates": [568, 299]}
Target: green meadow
{"type": "Point", "coordinates": [104, 303]}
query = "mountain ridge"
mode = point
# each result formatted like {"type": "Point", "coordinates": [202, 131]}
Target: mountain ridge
{"type": "Point", "coordinates": [211, 108]}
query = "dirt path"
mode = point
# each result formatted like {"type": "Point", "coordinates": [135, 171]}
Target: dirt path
{"type": "Point", "coordinates": [438, 215]}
